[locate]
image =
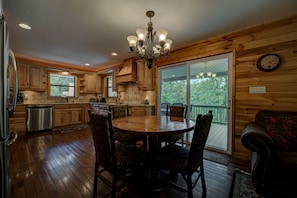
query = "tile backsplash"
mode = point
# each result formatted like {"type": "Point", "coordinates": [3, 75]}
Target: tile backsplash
{"type": "Point", "coordinates": [132, 95]}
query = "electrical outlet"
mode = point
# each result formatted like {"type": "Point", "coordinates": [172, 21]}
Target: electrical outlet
{"type": "Point", "coordinates": [257, 90]}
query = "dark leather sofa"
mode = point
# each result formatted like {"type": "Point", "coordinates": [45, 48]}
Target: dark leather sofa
{"type": "Point", "coordinates": [272, 140]}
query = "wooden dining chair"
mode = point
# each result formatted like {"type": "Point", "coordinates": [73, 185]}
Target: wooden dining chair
{"type": "Point", "coordinates": [116, 158]}
{"type": "Point", "coordinates": [178, 110]}
{"type": "Point", "coordinates": [187, 161]}
{"type": "Point", "coordinates": [119, 111]}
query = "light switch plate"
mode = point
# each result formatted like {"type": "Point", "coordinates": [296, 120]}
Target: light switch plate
{"type": "Point", "coordinates": [257, 90]}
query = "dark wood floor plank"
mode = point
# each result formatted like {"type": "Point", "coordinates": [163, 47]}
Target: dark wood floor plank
{"type": "Point", "coordinates": [54, 164]}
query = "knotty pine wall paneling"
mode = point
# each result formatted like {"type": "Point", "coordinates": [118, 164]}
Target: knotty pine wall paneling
{"type": "Point", "coordinates": [247, 46]}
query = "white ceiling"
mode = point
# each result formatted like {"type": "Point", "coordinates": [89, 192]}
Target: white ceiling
{"type": "Point", "coordinates": [88, 31]}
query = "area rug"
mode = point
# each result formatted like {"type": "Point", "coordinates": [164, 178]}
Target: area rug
{"type": "Point", "coordinates": [216, 157]}
{"type": "Point", "coordinates": [72, 128]}
{"type": "Point", "coordinates": [242, 185]}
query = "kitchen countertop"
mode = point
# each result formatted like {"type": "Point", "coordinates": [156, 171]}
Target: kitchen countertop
{"type": "Point", "coordinates": [70, 103]}
{"type": "Point", "coordinates": [131, 105]}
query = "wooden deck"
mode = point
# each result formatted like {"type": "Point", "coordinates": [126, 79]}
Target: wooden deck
{"type": "Point", "coordinates": [217, 138]}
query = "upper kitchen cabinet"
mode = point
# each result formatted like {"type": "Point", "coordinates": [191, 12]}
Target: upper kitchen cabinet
{"type": "Point", "coordinates": [90, 83]}
{"type": "Point", "coordinates": [127, 73]}
{"type": "Point", "coordinates": [31, 77]}
{"type": "Point", "coordinates": [144, 76]}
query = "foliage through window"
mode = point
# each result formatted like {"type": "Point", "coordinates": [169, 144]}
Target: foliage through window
{"type": "Point", "coordinates": [62, 85]}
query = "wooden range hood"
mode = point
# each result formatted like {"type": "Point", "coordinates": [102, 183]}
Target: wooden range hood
{"type": "Point", "coordinates": [127, 73]}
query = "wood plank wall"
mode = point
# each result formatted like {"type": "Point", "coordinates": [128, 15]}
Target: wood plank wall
{"type": "Point", "coordinates": [247, 45]}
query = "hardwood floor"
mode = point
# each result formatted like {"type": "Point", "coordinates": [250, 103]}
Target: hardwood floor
{"type": "Point", "coordinates": [54, 164]}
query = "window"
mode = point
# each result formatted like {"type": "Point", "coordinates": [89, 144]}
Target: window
{"type": "Point", "coordinates": [62, 85]}
{"type": "Point", "coordinates": [110, 92]}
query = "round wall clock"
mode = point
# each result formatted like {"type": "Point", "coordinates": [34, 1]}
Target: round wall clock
{"type": "Point", "coordinates": [269, 62]}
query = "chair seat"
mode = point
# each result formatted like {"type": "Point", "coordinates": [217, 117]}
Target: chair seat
{"type": "Point", "coordinates": [172, 157]}
{"type": "Point", "coordinates": [130, 156]}
{"type": "Point", "coordinates": [124, 137]}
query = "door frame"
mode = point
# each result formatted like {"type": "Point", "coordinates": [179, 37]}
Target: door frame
{"type": "Point", "coordinates": [231, 72]}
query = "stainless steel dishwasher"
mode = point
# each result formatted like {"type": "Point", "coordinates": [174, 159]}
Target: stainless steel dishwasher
{"type": "Point", "coordinates": [39, 118]}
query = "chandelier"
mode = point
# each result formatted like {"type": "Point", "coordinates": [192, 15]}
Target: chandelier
{"type": "Point", "coordinates": [148, 44]}
{"type": "Point", "coordinates": [206, 75]}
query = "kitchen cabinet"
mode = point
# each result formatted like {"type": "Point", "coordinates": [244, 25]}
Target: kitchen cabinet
{"type": "Point", "coordinates": [68, 114]}
{"type": "Point", "coordinates": [141, 110]}
{"type": "Point", "coordinates": [144, 76]}
{"type": "Point", "coordinates": [90, 83]}
{"type": "Point", "coordinates": [18, 120]}
{"type": "Point", "coordinates": [31, 77]}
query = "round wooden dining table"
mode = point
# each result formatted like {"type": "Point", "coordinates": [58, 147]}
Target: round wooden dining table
{"type": "Point", "coordinates": [152, 127]}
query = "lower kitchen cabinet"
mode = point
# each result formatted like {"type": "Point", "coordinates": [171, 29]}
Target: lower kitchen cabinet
{"type": "Point", "coordinates": [67, 115]}
{"type": "Point", "coordinates": [18, 120]}
{"type": "Point", "coordinates": [141, 110]}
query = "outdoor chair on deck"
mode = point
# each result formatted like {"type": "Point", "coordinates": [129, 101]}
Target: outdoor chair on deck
{"type": "Point", "coordinates": [187, 162]}
{"type": "Point", "coordinates": [164, 108]}
{"type": "Point", "coordinates": [116, 158]}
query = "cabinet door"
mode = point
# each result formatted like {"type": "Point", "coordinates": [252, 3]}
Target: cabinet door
{"type": "Point", "coordinates": [90, 82]}
{"type": "Point", "coordinates": [23, 76]}
{"type": "Point", "coordinates": [144, 76]}
{"type": "Point", "coordinates": [35, 78]}
{"type": "Point", "coordinates": [138, 111]}
{"type": "Point", "coordinates": [61, 117]}
{"type": "Point", "coordinates": [93, 83]}
{"type": "Point", "coordinates": [76, 116]}
{"type": "Point", "coordinates": [30, 77]}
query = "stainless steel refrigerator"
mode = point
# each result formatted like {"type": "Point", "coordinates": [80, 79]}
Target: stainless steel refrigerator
{"type": "Point", "coordinates": [8, 100]}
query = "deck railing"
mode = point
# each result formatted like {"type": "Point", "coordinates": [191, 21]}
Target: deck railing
{"type": "Point", "coordinates": [220, 113]}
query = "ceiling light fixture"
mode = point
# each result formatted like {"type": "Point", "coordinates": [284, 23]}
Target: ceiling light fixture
{"type": "Point", "coordinates": [149, 44]}
{"type": "Point", "coordinates": [114, 54]}
{"type": "Point", "coordinates": [25, 26]}
{"type": "Point", "coordinates": [87, 64]}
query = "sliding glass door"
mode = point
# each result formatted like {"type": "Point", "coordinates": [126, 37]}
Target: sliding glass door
{"type": "Point", "coordinates": [204, 85]}
{"type": "Point", "coordinates": [173, 84]}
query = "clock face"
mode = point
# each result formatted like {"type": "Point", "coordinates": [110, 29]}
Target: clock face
{"type": "Point", "coordinates": [269, 62]}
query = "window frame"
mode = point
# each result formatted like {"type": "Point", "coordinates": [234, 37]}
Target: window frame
{"type": "Point", "coordinates": [65, 75]}
{"type": "Point", "coordinates": [110, 87]}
